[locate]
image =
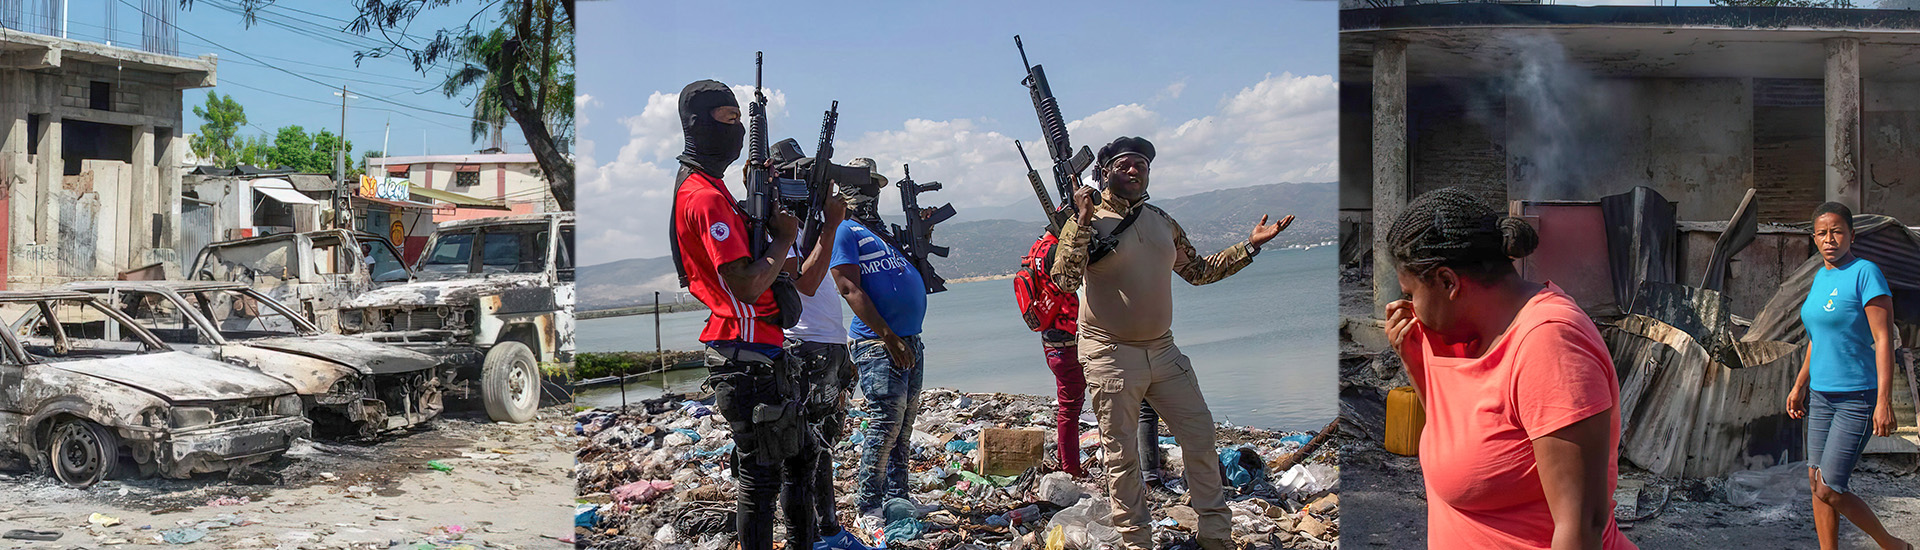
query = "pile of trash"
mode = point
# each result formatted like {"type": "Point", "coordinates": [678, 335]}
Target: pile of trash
{"type": "Point", "coordinates": [656, 476]}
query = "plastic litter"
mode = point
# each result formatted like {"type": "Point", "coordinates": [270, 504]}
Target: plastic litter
{"type": "Point", "coordinates": [1298, 439]}
{"type": "Point", "coordinates": [1056, 538]}
{"type": "Point", "coordinates": [184, 535]}
{"type": "Point", "coordinates": [1060, 489]}
{"type": "Point", "coordinates": [958, 446]}
{"type": "Point", "coordinates": [439, 466]}
{"type": "Point", "coordinates": [103, 520]}
{"type": "Point", "coordinates": [641, 492]}
{"type": "Point", "coordinates": [586, 516]}
{"type": "Point", "coordinates": [905, 529]}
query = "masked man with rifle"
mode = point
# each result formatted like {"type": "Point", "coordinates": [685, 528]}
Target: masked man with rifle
{"type": "Point", "coordinates": [1123, 251]}
{"type": "Point", "coordinates": [756, 385]}
{"type": "Point", "coordinates": [889, 301]}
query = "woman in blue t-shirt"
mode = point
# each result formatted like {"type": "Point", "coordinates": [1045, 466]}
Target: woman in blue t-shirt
{"type": "Point", "coordinates": [1845, 386]}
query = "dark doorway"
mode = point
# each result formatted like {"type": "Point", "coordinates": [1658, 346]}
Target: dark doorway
{"type": "Point", "coordinates": [81, 140]}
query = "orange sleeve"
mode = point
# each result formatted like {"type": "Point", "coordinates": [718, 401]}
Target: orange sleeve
{"type": "Point", "coordinates": [1561, 375]}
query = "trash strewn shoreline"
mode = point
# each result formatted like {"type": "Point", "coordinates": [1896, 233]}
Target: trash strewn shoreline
{"type": "Point", "coordinates": [655, 477]}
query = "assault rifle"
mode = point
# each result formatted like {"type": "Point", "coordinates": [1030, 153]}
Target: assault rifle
{"type": "Point", "coordinates": [915, 238]}
{"type": "Point", "coordinates": [1067, 163]}
{"type": "Point", "coordinates": [1055, 218]}
{"type": "Point", "coordinates": [763, 194]}
{"type": "Point", "coordinates": [762, 190]}
{"type": "Point", "coordinates": [805, 182]}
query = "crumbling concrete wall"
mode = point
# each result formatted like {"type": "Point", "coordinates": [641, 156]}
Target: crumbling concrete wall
{"type": "Point", "coordinates": [1755, 273]}
{"type": "Point", "coordinates": [88, 217]}
{"type": "Point", "coordinates": [1890, 149]}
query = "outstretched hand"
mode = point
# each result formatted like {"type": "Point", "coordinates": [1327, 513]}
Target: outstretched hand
{"type": "Point", "coordinates": [1263, 232]}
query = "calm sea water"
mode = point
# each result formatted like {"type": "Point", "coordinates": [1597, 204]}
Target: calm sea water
{"type": "Point", "coordinates": [1262, 341]}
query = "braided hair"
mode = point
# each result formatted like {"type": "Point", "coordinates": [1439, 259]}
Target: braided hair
{"type": "Point", "coordinates": [1454, 228]}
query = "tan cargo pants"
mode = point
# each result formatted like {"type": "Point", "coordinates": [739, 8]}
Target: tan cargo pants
{"type": "Point", "coordinates": [1119, 376]}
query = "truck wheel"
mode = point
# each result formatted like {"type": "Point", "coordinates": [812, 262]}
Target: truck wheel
{"type": "Point", "coordinates": [510, 382]}
{"type": "Point", "coordinates": [82, 453]}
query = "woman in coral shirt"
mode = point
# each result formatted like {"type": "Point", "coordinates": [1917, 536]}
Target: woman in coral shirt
{"type": "Point", "coordinates": [1521, 445]}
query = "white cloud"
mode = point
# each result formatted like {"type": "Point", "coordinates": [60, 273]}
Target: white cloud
{"type": "Point", "coordinates": [1172, 91]}
{"type": "Point", "coordinates": [1283, 128]}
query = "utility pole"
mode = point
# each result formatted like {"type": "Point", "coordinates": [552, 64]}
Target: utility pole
{"type": "Point", "coordinates": [342, 218]}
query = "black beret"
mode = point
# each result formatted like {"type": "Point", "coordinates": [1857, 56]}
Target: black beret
{"type": "Point", "coordinates": [1123, 146]}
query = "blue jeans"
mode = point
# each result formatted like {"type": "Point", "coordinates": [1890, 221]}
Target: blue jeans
{"type": "Point", "coordinates": [1838, 427]}
{"type": "Point", "coordinates": [892, 399]}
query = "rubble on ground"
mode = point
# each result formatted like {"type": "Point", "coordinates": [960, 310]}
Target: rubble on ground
{"type": "Point", "coordinates": [656, 477]}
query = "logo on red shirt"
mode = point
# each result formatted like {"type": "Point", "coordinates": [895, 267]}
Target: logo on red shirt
{"type": "Point", "coordinates": [719, 231]}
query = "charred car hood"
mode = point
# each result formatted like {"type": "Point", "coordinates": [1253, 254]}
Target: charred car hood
{"type": "Point", "coordinates": [453, 292]}
{"type": "Point", "coordinates": [358, 354]}
{"type": "Point", "coordinates": [177, 376]}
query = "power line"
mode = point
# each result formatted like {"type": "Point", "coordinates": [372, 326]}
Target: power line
{"type": "Point", "coordinates": [302, 76]}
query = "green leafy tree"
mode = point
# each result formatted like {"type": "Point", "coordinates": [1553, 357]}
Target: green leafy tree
{"type": "Point", "coordinates": [294, 148]}
{"type": "Point", "coordinates": [253, 151]}
{"type": "Point", "coordinates": [531, 70]}
{"type": "Point", "coordinates": [223, 117]}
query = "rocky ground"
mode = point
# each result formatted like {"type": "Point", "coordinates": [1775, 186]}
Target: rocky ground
{"type": "Point", "coordinates": [460, 483]}
{"type": "Point", "coordinates": [654, 477]}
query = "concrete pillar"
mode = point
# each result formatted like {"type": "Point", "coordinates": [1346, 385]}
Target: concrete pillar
{"type": "Point", "coordinates": [140, 210]}
{"type": "Point", "coordinates": [1843, 122]}
{"type": "Point", "coordinates": [1389, 162]}
{"type": "Point", "coordinates": [50, 167]}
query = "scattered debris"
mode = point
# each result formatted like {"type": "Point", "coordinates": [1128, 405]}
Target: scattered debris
{"type": "Point", "coordinates": [657, 477]}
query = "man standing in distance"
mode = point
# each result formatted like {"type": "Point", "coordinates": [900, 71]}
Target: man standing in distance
{"type": "Point", "coordinates": [889, 301]}
{"type": "Point", "coordinates": [1126, 337]}
{"type": "Point", "coordinates": [753, 380]}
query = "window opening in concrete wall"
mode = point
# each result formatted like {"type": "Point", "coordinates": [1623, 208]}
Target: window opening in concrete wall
{"type": "Point", "coordinates": [81, 140]}
{"type": "Point", "coordinates": [34, 133]}
{"type": "Point", "coordinates": [100, 96]}
{"type": "Point", "coordinates": [162, 141]}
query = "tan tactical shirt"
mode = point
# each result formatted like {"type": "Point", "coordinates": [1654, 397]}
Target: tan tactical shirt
{"type": "Point", "coordinates": [1129, 297]}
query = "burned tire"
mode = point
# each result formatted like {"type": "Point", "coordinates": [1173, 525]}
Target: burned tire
{"type": "Point", "coordinates": [82, 453]}
{"type": "Point", "coordinates": [510, 382]}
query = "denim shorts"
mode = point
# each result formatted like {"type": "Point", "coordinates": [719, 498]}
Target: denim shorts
{"type": "Point", "coordinates": [1838, 427]}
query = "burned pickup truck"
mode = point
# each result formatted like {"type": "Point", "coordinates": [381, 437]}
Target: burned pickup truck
{"type": "Point", "coordinates": [313, 272]}
{"type": "Point", "coordinates": [348, 386]}
{"type": "Point", "coordinates": [493, 296]}
{"type": "Point", "coordinates": [85, 391]}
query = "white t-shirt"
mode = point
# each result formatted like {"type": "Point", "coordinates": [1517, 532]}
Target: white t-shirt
{"type": "Point", "coordinates": [822, 318]}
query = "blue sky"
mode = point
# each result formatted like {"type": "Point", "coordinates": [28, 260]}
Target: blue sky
{"type": "Point", "coordinates": [1235, 93]}
{"type": "Point", "coordinates": [307, 37]}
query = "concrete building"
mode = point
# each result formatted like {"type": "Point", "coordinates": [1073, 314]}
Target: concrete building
{"type": "Point", "coordinates": [90, 142]}
{"type": "Point", "coordinates": [512, 180]}
{"type": "Point", "coordinates": [1540, 103]}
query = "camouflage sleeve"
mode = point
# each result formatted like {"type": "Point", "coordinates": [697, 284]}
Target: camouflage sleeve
{"type": "Point", "coordinates": [1070, 257]}
{"type": "Point", "coordinates": [1199, 270]}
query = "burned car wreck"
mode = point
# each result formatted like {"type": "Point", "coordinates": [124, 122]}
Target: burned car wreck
{"type": "Point", "coordinates": [313, 272]}
{"type": "Point", "coordinates": [493, 296]}
{"type": "Point", "coordinates": [84, 392]}
{"type": "Point", "coordinates": [348, 386]}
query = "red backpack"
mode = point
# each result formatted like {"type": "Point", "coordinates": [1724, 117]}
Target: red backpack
{"type": "Point", "coordinates": [1041, 302]}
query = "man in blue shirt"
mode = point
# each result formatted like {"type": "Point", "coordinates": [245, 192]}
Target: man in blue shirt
{"type": "Point", "coordinates": [889, 300]}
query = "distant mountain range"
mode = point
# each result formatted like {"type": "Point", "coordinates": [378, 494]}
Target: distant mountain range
{"type": "Point", "coordinates": [989, 241]}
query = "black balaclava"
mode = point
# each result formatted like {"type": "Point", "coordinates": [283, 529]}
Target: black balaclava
{"type": "Point", "coordinates": [711, 145]}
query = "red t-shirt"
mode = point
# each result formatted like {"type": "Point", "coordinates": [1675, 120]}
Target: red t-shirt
{"type": "Point", "coordinates": [712, 232]}
{"type": "Point", "coordinates": [1550, 370]}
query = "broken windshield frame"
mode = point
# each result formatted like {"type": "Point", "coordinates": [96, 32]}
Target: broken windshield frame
{"type": "Point", "coordinates": [62, 344]}
{"type": "Point", "coordinates": [511, 248]}
{"type": "Point", "coordinates": [246, 315]}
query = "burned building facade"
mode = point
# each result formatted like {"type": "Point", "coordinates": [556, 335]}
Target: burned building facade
{"type": "Point", "coordinates": [90, 148]}
{"type": "Point", "coordinates": [1565, 103]}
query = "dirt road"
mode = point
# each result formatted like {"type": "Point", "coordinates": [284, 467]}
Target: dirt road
{"type": "Point", "coordinates": [507, 486]}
